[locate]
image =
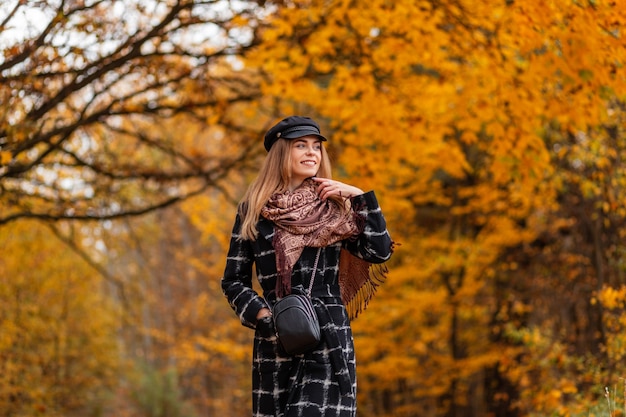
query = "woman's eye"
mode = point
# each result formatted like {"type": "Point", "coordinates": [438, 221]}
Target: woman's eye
{"type": "Point", "coordinates": [316, 147]}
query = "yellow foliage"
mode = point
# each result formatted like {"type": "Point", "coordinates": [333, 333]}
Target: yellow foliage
{"type": "Point", "coordinates": [613, 298]}
{"type": "Point", "coordinates": [58, 332]}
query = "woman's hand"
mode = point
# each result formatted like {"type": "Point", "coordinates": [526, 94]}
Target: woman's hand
{"type": "Point", "coordinates": [264, 312]}
{"type": "Point", "coordinates": [328, 187]}
{"type": "Point", "coordinates": [265, 324]}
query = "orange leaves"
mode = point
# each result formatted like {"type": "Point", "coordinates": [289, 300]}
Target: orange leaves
{"type": "Point", "coordinates": [5, 158]}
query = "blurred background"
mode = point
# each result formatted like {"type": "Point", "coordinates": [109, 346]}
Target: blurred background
{"type": "Point", "coordinates": [492, 132]}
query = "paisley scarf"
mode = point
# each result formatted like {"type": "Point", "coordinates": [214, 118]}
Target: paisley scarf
{"type": "Point", "coordinates": [302, 219]}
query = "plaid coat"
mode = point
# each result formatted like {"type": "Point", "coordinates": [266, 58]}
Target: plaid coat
{"type": "Point", "coordinates": [321, 382]}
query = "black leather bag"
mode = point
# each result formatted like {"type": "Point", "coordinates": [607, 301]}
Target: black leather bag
{"type": "Point", "coordinates": [296, 322]}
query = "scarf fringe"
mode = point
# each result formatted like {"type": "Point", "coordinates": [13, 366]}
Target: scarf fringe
{"type": "Point", "coordinates": [361, 298]}
{"type": "Point", "coordinates": [358, 282]}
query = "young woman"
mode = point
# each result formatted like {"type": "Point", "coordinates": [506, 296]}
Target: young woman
{"type": "Point", "coordinates": [293, 215]}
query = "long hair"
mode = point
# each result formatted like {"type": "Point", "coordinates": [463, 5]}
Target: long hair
{"type": "Point", "coordinates": [274, 177]}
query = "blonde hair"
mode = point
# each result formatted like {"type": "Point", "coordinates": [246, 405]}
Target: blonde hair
{"type": "Point", "coordinates": [274, 177]}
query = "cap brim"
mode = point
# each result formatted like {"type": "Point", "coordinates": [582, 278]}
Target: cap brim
{"type": "Point", "coordinates": [302, 133]}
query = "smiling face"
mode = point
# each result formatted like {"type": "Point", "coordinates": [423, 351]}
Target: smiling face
{"type": "Point", "coordinates": [306, 156]}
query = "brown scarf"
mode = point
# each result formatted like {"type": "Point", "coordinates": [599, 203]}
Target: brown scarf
{"type": "Point", "coordinates": [302, 219]}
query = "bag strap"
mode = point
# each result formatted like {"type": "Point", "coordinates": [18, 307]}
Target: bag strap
{"type": "Point", "coordinates": [317, 258]}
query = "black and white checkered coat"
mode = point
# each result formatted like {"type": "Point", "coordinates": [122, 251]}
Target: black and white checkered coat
{"type": "Point", "coordinates": [321, 382]}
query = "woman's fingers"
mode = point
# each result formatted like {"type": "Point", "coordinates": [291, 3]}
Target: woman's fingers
{"type": "Point", "coordinates": [328, 188]}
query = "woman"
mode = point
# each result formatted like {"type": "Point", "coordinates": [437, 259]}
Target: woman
{"type": "Point", "coordinates": [292, 217]}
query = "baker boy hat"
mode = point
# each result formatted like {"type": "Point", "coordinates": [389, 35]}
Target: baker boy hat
{"type": "Point", "coordinates": [292, 127]}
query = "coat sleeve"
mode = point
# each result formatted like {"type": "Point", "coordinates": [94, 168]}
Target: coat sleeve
{"type": "Point", "coordinates": [373, 244]}
{"type": "Point", "coordinates": [237, 279]}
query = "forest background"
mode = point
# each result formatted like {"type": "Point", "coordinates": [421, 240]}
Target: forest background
{"type": "Point", "coordinates": [492, 132]}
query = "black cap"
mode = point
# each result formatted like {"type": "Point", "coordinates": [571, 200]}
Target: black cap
{"type": "Point", "coordinates": [292, 127]}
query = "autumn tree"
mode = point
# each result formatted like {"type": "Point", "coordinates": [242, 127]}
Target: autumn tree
{"type": "Point", "coordinates": [569, 284]}
{"type": "Point", "coordinates": [84, 87]}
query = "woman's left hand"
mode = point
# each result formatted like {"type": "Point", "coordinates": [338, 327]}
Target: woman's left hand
{"type": "Point", "coordinates": [328, 188]}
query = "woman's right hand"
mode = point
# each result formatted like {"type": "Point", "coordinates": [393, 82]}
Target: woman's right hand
{"type": "Point", "coordinates": [264, 312]}
{"type": "Point", "coordinates": [265, 327]}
